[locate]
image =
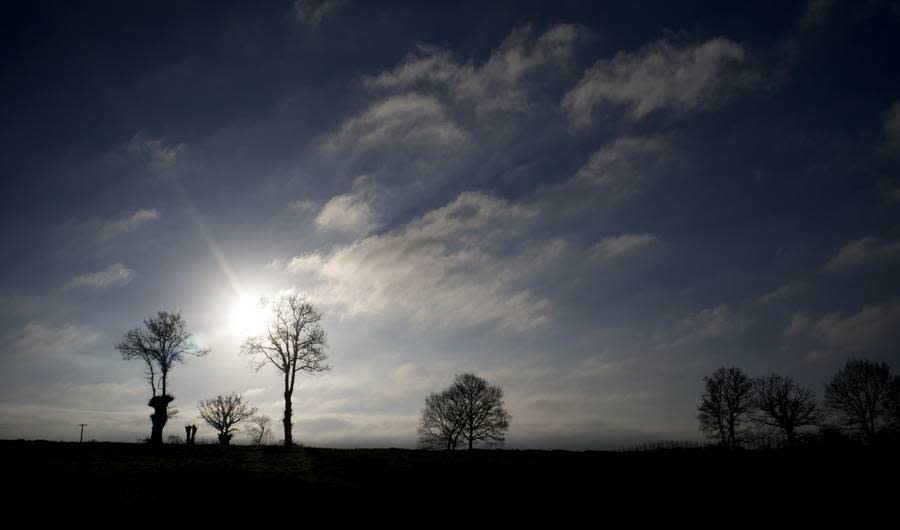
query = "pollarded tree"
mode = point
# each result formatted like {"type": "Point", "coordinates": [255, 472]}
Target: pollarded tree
{"type": "Point", "coordinates": [162, 343]}
{"type": "Point", "coordinates": [860, 394]}
{"type": "Point", "coordinates": [783, 404]}
{"type": "Point", "coordinates": [442, 420]}
{"type": "Point", "coordinates": [224, 412]}
{"type": "Point", "coordinates": [481, 406]}
{"type": "Point", "coordinates": [725, 405]}
{"type": "Point", "coordinates": [294, 342]}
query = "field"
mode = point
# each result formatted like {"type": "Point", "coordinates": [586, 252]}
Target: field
{"type": "Point", "coordinates": [133, 475]}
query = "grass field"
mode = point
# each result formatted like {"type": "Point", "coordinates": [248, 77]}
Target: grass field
{"type": "Point", "coordinates": [132, 475]}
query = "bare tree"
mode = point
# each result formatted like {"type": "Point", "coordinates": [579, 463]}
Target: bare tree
{"type": "Point", "coordinates": [782, 404]}
{"type": "Point", "coordinates": [725, 405]}
{"type": "Point", "coordinates": [894, 402]}
{"type": "Point", "coordinates": [859, 393]}
{"type": "Point", "coordinates": [481, 405]}
{"type": "Point", "coordinates": [161, 343]}
{"type": "Point", "coordinates": [442, 420]}
{"type": "Point", "coordinates": [294, 342]}
{"type": "Point", "coordinates": [224, 412]}
{"type": "Point", "coordinates": [260, 429]}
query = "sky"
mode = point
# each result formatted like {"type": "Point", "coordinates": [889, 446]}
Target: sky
{"type": "Point", "coordinates": [591, 205]}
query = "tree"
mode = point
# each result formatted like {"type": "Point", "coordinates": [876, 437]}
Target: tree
{"type": "Point", "coordinates": [260, 429]}
{"type": "Point", "coordinates": [161, 343]}
{"type": "Point", "coordinates": [294, 342]}
{"type": "Point", "coordinates": [783, 404]}
{"type": "Point", "coordinates": [894, 402]}
{"type": "Point", "coordinates": [859, 393]}
{"type": "Point", "coordinates": [481, 408]}
{"type": "Point", "coordinates": [224, 412]}
{"type": "Point", "coordinates": [725, 405]}
{"type": "Point", "coordinates": [442, 420]}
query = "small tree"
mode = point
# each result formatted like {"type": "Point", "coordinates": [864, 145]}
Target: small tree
{"type": "Point", "coordinates": [782, 404]}
{"type": "Point", "coordinates": [725, 405]}
{"type": "Point", "coordinates": [294, 342]}
{"type": "Point", "coordinates": [442, 420]}
{"type": "Point", "coordinates": [260, 429]}
{"type": "Point", "coordinates": [224, 412]}
{"type": "Point", "coordinates": [163, 342]}
{"type": "Point", "coordinates": [859, 393]}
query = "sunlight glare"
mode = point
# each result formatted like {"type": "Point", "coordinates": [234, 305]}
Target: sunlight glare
{"type": "Point", "coordinates": [247, 316]}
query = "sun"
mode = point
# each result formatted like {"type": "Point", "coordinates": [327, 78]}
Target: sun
{"type": "Point", "coordinates": [247, 316]}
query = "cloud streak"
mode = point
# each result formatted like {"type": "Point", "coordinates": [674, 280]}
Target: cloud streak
{"type": "Point", "coordinates": [659, 76]}
{"type": "Point", "coordinates": [115, 275]}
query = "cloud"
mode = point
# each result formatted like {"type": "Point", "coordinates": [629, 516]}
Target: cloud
{"type": "Point", "coordinates": [711, 323]}
{"type": "Point", "coordinates": [612, 247]}
{"type": "Point", "coordinates": [127, 223]}
{"type": "Point", "coordinates": [115, 275]}
{"type": "Point", "coordinates": [312, 12]}
{"type": "Point", "coordinates": [777, 294]}
{"type": "Point", "coordinates": [873, 329]}
{"type": "Point", "coordinates": [659, 76]}
{"type": "Point", "coordinates": [498, 84]}
{"type": "Point", "coordinates": [412, 120]}
{"type": "Point", "coordinates": [863, 251]}
{"type": "Point", "coordinates": [158, 156]}
{"type": "Point", "coordinates": [38, 340]}
{"type": "Point", "coordinates": [458, 264]}
{"type": "Point", "coordinates": [621, 167]}
{"type": "Point", "coordinates": [350, 213]}
{"type": "Point", "coordinates": [892, 129]}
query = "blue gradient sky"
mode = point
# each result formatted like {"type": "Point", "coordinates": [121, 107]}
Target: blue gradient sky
{"type": "Point", "coordinates": [592, 206]}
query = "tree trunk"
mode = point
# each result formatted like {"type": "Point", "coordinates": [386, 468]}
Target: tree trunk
{"type": "Point", "coordinates": [159, 417]}
{"type": "Point", "coordinates": [288, 436]}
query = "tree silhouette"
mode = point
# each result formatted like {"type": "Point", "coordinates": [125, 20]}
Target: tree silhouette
{"type": "Point", "coordinates": [161, 343]}
{"type": "Point", "coordinates": [224, 412]}
{"type": "Point", "coordinates": [471, 409]}
{"type": "Point", "coordinates": [725, 405]}
{"type": "Point", "coordinates": [442, 420]}
{"type": "Point", "coordinates": [484, 418]}
{"type": "Point", "coordinates": [260, 429]}
{"type": "Point", "coordinates": [781, 403]}
{"type": "Point", "coordinates": [294, 342]}
{"type": "Point", "coordinates": [859, 393]}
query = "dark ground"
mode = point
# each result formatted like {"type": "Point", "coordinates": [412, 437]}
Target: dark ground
{"type": "Point", "coordinates": [135, 476]}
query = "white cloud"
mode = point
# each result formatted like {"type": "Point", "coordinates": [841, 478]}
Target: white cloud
{"type": "Point", "coordinates": [892, 129]}
{"type": "Point", "coordinates": [350, 213]}
{"type": "Point", "coordinates": [613, 247]}
{"type": "Point", "coordinates": [127, 223]}
{"type": "Point", "coordinates": [499, 84]}
{"type": "Point", "coordinates": [446, 267]}
{"type": "Point", "coordinates": [305, 263]}
{"type": "Point", "coordinates": [38, 340]}
{"type": "Point", "coordinates": [312, 12]}
{"type": "Point", "coordinates": [873, 329]}
{"type": "Point", "coordinates": [777, 294]}
{"type": "Point", "coordinates": [660, 75]}
{"type": "Point", "coordinates": [115, 275]}
{"type": "Point", "coordinates": [710, 323]}
{"type": "Point", "coordinates": [863, 251]}
{"type": "Point", "coordinates": [619, 168]}
{"type": "Point", "coordinates": [159, 156]}
{"type": "Point", "coordinates": [411, 120]}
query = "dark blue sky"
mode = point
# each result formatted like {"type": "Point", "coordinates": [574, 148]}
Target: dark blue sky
{"type": "Point", "coordinates": [590, 205]}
